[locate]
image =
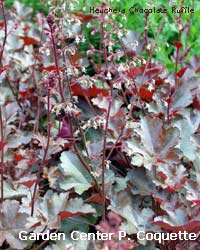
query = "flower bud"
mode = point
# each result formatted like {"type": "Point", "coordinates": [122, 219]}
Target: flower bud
{"type": "Point", "coordinates": [50, 19]}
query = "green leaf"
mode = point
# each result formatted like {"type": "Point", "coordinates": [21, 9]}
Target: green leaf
{"type": "Point", "coordinates": [136, 219]}
{"type": "Point", "coordinates": [11, 223]}
{"type": "Point", "coordinates": [56, 207]}
{"type": "Point", "coordinates": [10, 193]}
{"type": "Point", "coordinates": [186, 144]}
{"type": "Point", "coordinates": [157, 140]}
{"type": "Point", "coordinates": [75, 176]}
{"type": "Point", "coordinates": [156, 143]}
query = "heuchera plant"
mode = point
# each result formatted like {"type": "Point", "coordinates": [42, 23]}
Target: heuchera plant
{"type": "Point", "coordinates": [94, 132]}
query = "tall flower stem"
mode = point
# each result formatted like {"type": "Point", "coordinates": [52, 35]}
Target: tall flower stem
{"type": "Point", "coordinates": [104, 156]}
{"type": "Point", "coordinates": [56, 61]}
{"type": "Point", "coordinates": [2, 155]}
{"type": "Point", "coordinates": [1, 119]}
{"type": "Point", "coordinates": [45, 150]}
{"type": "Point", "coordinates": [103, 192]}
{"type": "Point", "coordinates": [5, 31]}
